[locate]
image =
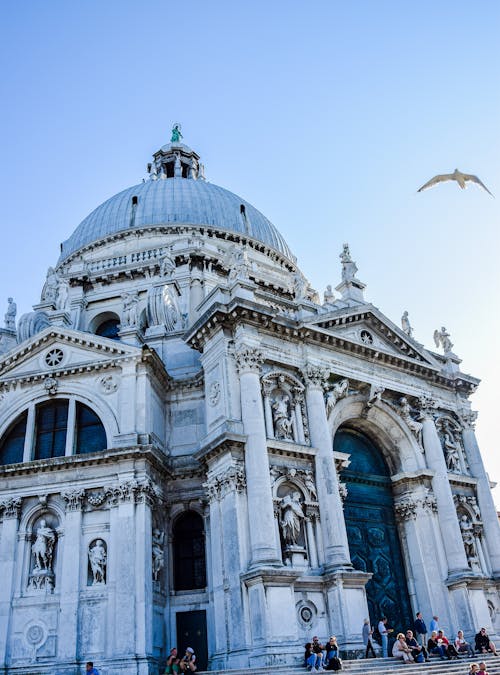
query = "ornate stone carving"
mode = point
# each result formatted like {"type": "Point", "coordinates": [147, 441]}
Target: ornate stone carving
{"type": "Point", "coordinates": [407, 505]}
{"type": "Point", "coordinates": [11, 507]}
{"type": "Point", "coordinates": [282, 417]}
{"type": "Point", "coordinates": [167, 265]}
{"type": "Point", "coordinates": [42, 551]}
{"type": "Point", "coordinates": [74, 499]}
{"type": "Point", "coordinates": [404, 410]}
{"type": "Point", "coordinates": [328, 296]}
{"type": "Point", "coordinates": [50, 385]}
{"type": "Point", "coordinates": [343, 491]}
{"type": "Point", "coordinates": [49, 291]}
{"type": "Point", "coordinates": [158, 553]}
{"type": "Point", "coordinates": [237, 263]}
{"type": "Point", "coordinates": [339, 390]}
{"type": "Point", "coordinates": [427, 406]}
{"type": "Point", "coordinates": [470, 504]}
{"type": "Point", "coordinates": [468, 419]}
{"type": "Point", "coordinates": [406, 509]}
{"type": "Point", "coordinates": [98, 559]}
{"type": "Point", "coordinates": [130, 300]}
{"type": "Point", "coordinates": [305, 477]}
{"type": "Point", "coordinates": [163, 308]}
{"type": "Point", "coordinates": [214, 391]}
{"type": "Point", "coordinates": [467, 530]}
{"type": "Point", "coordinates": [96, 499]}
{"type": "Point", "coordinates": [291, 517]}
{"type": "Point", "coordinates": [108, 384]}
{"type": "Point", "coordinates": [316, 376]}
{"type": "Point", "coordinates": [375, 395]}
{"type": "Point", "coordinates": [442, 338]}
{"type": "Point", "coordinates": [232, 479]}
{"type": "Point", "coordinates": [145, 493]}
{"type": "Point", "coordinates": [249, 359]}
{"type": "Point", "coordinates": [450, 435]}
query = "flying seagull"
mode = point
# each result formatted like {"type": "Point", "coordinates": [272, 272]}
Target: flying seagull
{"type": "Point", "coordinates": [461, 178]}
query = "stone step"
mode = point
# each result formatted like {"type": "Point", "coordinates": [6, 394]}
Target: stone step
{"type": "Point", "coordinates": [378, 666]}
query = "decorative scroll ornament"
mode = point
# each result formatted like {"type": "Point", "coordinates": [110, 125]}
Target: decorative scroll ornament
{"type": "Point", "coordinates": [305, 477]}
{"type": "Point", "coordinates": [214, 393]}
{"type": "Point", "coordinates": [108, 384]}
{"type": "Point", "coordinates": [468, 419]}
{"type": "Point", "coordinates": [249, 359]}
{"type": "Point", "coordinates": [232, 479]}
{"type": "Point", "coordinates": [427, 406]}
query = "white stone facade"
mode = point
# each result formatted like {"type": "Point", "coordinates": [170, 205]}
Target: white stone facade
{"type": "Point", "coordinates": [221, 397]}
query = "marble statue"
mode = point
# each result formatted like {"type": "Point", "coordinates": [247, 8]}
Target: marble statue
{"type": "Point", "coordinates": [338, 391]}
{"type": "Point", "coordinates": [442, 338]}
{"type": "Point", "coordinates": [405, 324]}
{"type": "Point", "coordinates": [451, 451]}
{"type": "Point", "coordinates": [405, 412]}
{"type": "Point", "coordinates": [10, 315]}
{"type": "Point", "coordinates": [310, 484]}
{"type": "Point", "coordinates": [129, 316]}
{"type": "Point", "coordinates": [375, 395]}
{"type": "Point", "coordinates": [467, 529]}
{"type": "Point", "coordinates": [62, 294]}
{"type": "Point", "coordinates": [328, 296]}
{"type": "Point", "coordinates": [167, 265]}
{"type": "Point", "coordinates": [43, 547]}
{"type": "Point", "coordinates": [460, 178]}
{"type": "Point", "coordinates": [158, 553]}
{"type": "Point", "coordinates": [349, 267]}
{"type": "Point", "coordinates": [281, 418]}
{"type": "Point", "coordinates": [291, 518]}
{"type": "Point", "coordinates": [98, 560]}
{"type": "Point", "coordinates": [176, 133]}
{"type": "Point", "coordinates": [49, 292]}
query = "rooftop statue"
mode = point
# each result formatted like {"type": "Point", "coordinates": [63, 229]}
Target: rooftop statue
{"type": "Point", "coordinates": [405, 324]}
{"type": "Point", "coordinates": [442, 338]}
{"type": "Point", "coordinates": [349, 267]}
{"type": "Point", "coordinates": [176, 133]}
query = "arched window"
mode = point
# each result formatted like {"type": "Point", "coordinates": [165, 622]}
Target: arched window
{"type": "Point", "coordinates": [189, 552]}
{"type": "Point", "coordinates": [109, 329]}
{"type": "Point", "coordinates": [12, 445]}
{"type": "Point", "coordinates": [50, 435]}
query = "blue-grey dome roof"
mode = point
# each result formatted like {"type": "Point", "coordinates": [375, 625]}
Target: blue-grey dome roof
{"type": "Point", "coordinates": [174, 201]}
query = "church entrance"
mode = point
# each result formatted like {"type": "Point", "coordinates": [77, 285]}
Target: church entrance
{"type": "Point", "coordinates": [371, 529]}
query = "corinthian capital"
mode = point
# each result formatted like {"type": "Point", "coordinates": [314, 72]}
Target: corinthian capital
{"type": "Point", "coordinates": [11, 507]}
{"type": "Point", "coordinates": [427, 406]}
{"type": "Point", "coordinates": [249, 359]}
{"type": "Point", "coordinates": [316, 376]}
{"type": "Point", "coordinates": [74, 499]}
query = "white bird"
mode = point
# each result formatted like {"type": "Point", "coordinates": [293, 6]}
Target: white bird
{"type": "Point", "coordinates": [461, 178]}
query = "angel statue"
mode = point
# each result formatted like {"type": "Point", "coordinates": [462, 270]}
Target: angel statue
{"type": "Point", "coordinates": [442, 338]}
{"type": "Point", "coordinates": [176, 133]}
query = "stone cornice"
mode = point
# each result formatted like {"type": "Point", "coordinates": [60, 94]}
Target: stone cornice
{"type": "Point", "coordinates": [262, 317]}
{"type": "Point", "coordinates": [227, 441]}
{"type": "Point", "coordinates": [290, 449]}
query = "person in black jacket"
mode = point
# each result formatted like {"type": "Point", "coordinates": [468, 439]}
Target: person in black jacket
{"type": "Point", "coordinates": [420, 629]}
{"type": "Point", "coordinates": [484, 644]}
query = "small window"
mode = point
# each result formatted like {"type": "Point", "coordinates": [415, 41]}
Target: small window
{"type": "Point", "coordinates": [109, 329]}
{"type": "Point", "coordinates": [12, 445]}
{"type": "Point", "coordinates": [242, 209]}
{"type": "Point", "coordinates": [51, 427]}
{"type": "Point", "coordinates": [169, 169]}
{"type": "Point", "coordinates": [189, 553]}
{"type": "Point", "coordinates": [135, 199]}
{"type": "Point", "coordinates": [89, 434]}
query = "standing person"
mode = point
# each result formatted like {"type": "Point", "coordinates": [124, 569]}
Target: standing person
{"type": "Point", "coordinates": [434, 625]}
{"type": "Point", "coordinates": [384, 634]}
{"type": "Point", "coordinates": [188, 662]}
{"type": "Point", "coordinates": [420, 629]}
{"type": "Point", "coordinates": [483, 643]}
{"type": "Point", "coordinates": [90, 670]}
{"type": "Point", "coordinates": [367, 633]}
{"type": "Point", "coordinates": [462, 646]}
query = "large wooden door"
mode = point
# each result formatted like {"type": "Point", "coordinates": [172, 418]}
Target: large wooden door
{"type": "Point", "coordinates": [192, 632]}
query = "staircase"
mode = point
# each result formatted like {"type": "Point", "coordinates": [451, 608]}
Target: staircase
{"type": "Point", "coordinates": [379, 666]}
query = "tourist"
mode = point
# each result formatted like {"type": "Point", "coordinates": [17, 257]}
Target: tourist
{"type": "Point", "coordinates": [451, 652]}
{"type": "Point", "coordinates": [332, 653]}
{"type": "Point", "coordinates": [90, 670]}
{"type": "Point", "coordinates": [173, 662]}
{"type": "Point", "coordinates": [188, 662]}
{"type": "Point", "coordinates": [483, 643]}
{"type": "Point", "coordinates": [434, 624]}
{"type": "Point", "coordinates": [420, 629]}
{"type": "Point", "coordinates": [384, 635]}
{"type": "Point", "coordinates": [400, 649]}
{"type": "Point", "coordinates": [435, 647]}
{"type": "Point", "coordinates": [419, 652]}
{"type": "Point", "coordinates": [367, 633]}
{"type": "Point", "coordinates": [310, 657]}
{"type": "Point", "coordinates": [482, 669]}
{"type": "Point", "coordinates": [318, 648]}
{"type": "Point", "coordinates": [462, 646]}
{"type": "Point", "coordinates": [474, 668]}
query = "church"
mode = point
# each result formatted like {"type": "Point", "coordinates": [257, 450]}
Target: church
{"type": "Point", "coordinates": [196, 449]}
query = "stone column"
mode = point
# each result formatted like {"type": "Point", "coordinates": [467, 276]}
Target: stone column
{"type": "Point", "coordinates": [299, 397]}
{"type": "Point", "coordinates": [69, 583]}
{"type": "Point", "coordinates": [311, 540]}
{"type": "Point", "coordinates": [448, 520]}
{"type": "Point", "coordinates": [71, 427]}
{"type": "Point", "coordinates": [195, 294]}
{"type": "Point", "coordinates": [145, 498]}
{"type": "Point", "coordinates": [30, 434]}
{"type": "Point", "coordinates": [491, 530]}
{"type": "Point", "coordinates": [268, 413]}
{"type": "Point", "coordinates": [335, 544]}
{"type": "Point", "coordinates": [8, 564]}
{"type": "Point", "coordinates": [260, 503]}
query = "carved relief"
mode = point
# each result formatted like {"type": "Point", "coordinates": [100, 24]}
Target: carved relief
{"type": "Point", "coordinates": [282, 417]}
{"type": "Point", "coordinates": [158, 553]}
{"type": "Point", "coordinates": [284, 407]}
{"type": "Point", "coordinates": [407, 506]}
{"type": "Point", "coordinates": [450, 435]}
{"type": "Point", "coordinates": [405, 412]}
{"type": "Point", "coordinates": [98, 559]}
{"type": "Point", "coordinates": [163, 307]}
{"type": "Point", "coordinates": [74, 499]}
{"type": "Point", "coordinates": [339, 390]}
{"type": "Point", "coordinates": [249, 359]}
{"type": "Point", "coordinates": [50, 385]}
{"type": "Point", "coordinates": [11, 507]}
{"type": "Point", "coordinates": [108, 384]}
{"type": "Point", "coordinates": [214, 393]}
{"type": "Point", "coordinates": [130, 300]}
{"type": "Point", "coordinates": [232, 479]}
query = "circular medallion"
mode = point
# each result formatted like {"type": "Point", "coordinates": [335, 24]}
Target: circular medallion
{"type": "Point", "coordinates": [35, 633]}
{"type": "Point", "coordinates": [366, 337]}
{"type": "Point", "coordinates": [54, 357]}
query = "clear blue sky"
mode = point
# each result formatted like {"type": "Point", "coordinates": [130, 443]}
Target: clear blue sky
{"type": "Point", "coordinates": [327, 116]}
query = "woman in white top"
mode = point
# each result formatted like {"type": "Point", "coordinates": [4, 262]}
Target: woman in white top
{"type": "Point", "coordinates": [401, 650]}
{"type": "Point", "coordinates": [462, 645]}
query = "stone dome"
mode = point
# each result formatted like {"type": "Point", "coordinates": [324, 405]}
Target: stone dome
{"type": "Point", "coordinates": [176, 194]}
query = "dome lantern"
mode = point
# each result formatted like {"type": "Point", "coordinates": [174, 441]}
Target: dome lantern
{"type": "Point", "coordinates": [176, 160]}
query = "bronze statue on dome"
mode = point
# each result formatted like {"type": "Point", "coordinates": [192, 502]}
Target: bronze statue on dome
{"type": "Point", "coordinates": [176, 133]}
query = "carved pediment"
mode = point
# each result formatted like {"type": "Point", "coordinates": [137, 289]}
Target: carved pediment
{"type": "Point", "coordinates": [367, 328]}
{"type": "Point", "coordinates": [57, 350]}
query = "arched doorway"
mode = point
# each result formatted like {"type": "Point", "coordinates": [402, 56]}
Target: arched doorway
{"type": "Point", "coordinates": [371, 529]}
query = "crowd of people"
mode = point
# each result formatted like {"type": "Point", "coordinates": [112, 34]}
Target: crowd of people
{"type": "Point", "coordinates": [178, 664]}
{"type": "Point", "coordinates": [416, 645]}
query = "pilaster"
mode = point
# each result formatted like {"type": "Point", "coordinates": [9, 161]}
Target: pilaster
{"type": "Point", "coordinates": [10, 509]}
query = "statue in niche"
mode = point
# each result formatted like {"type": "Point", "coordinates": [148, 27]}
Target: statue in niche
{"type": "Point", "coordinates": [338, 391]}
{"type": "Point", "coordinates": [10, 315]}
{"type": "Point", "coordinates": [310, 484]}
{"type": "Point", "coordinates": [62, 294]}
{"type": "Point", "coordinates": [129, 315]}
{"type": "Point", "coordinates": [328, 296]}
{"type": "Point", "coordinates": [43, 548]}
{"type": "Point", "coordinates": [349, 267]}
{"type": "Point", "coordinates": [451, 450]}
{"type": "Point", "coordinates": [49, 292]}
{"type": "Point", "coordinates": [442, 338]}
{"type": "Point", "coordinates": [405, 324]}
{"type": "Point", "coordinates": [467, 530]}
{"type": "Point", "coordinates": [98, 559]}
{"type": "Point", "coordinates": [281, 417]}
{"type": "Point", "coordinates": [291, 518]}
{"type": "Point", "coordinates": [167, 265]}
{"type": "Point", "coordinates": [158, 554]}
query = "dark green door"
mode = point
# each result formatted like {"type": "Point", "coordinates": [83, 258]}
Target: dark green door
{"type": "Point", "coordinates": [192, 632]}
{"type": "Point", "coordinates": [371, 529]}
